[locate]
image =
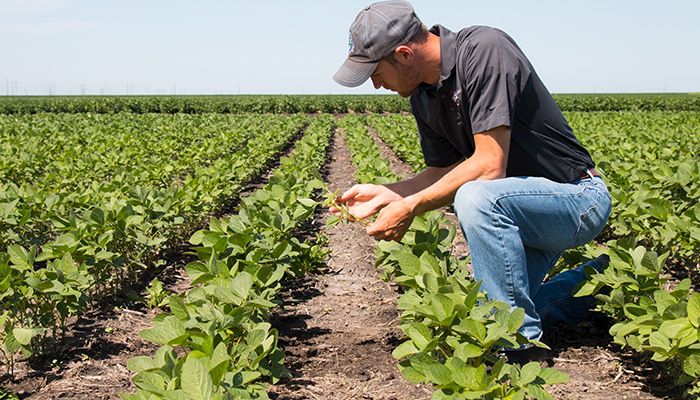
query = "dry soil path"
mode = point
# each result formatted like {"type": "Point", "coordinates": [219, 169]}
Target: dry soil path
{"type": "Point", "coordinates": [338, 329]}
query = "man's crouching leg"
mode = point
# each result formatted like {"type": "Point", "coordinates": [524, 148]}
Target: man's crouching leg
{"type": "Point", "coordinates": [516, 229]}
{"type": "Point", "coordinates": [498, 254]}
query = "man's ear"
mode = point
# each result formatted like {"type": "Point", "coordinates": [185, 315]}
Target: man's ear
{"type": "Point", "coordinates": [403, 54]}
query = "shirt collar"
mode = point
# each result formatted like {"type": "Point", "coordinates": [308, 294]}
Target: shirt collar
{"type": "Point", "coordinates": [448, 52]}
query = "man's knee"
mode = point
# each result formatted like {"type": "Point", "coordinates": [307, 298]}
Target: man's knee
{"type": "Point", "coordinates": [473, 202]}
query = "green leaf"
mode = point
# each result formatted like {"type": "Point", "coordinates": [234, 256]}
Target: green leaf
{"type": "Point", "coordinates": [637, 255]}
{"type": "Point", "coordinates": [11, 343]}
{"type": "Point", "coordinates": [308, 202]}
{"type": "Point", "coordinates": [152, 381]}
{"type": "Point", "coordinates": [178, 307]}
{"type": "Point", "coordinates": [255, 337]}
{"type": "Point", "coordinates": [516, 319]}
{"type": "Point", "coordinates": [691, 365]}
{"type": "Point", "coordinates": [332, 221]}
{"type": "Point", "coordinates": [634, 342]}
{"type": "Point", "coordinates": [443, 308]}
{"type": "Point", "coordinates": [195, 380]}
{"type": "Point", "coordinates": [411, 374]}
{"type": "Point", "coordinates": [677, 328]}
{"type": "Point", "coordinates": [538, 392]}
{"type": "Point", "coordinates": [537, 343]}
{"type": "Point", "coordinates": [470, 377]}
{"type": "Point", "coordinates": [140, 363]}
{"type": "Point", "coordinates": [694, 309]}
{"type": "Point", "coordinates": [241, 285]}
{"type": "Point", "coordinates": [419, 333]}
{"type": "Point", "coordinates": [408, 263]}
{"type": "Point", "coordinates": [588, 288]}
{"type": "Point", "coordinates": [439, 374]}
{"type": "Point", "coordinates": [24, 335]}
{"type": "Point", "coordinates": [249, 376]}
{"type": "Point", "coordinates": [219, 363]}
{"type": "Point", "coordinates": [658, 342]}
{"type": "Point", "coordinates": [19, 257]}
{"type": "Point", "coordinates": [405, 349]}
{"type": "Point", "coordinates": [529, 372]}
{"type": "Point", "coordinates": [98, 215]}
{"type": "Point", "coordinates": [473, 328]}
{"type": "Point", "coordinates": [552, 376]}
{"type": "Point", "coordinates": [169, 331]}
{"type": "Point", "coordinates": [466, 351]}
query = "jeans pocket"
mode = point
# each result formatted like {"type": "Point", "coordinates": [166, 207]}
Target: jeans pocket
{"type": "Point", "coordinates": [593, 219]}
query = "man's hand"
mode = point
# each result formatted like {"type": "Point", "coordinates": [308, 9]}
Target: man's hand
{"type": "Point", "coordinates": [365, 199]}
{"type": "Point", "coordinates": [393, 221]}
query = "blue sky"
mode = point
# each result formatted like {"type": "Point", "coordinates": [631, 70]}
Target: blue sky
{"type": "Point", "coordinates": [230, 47]}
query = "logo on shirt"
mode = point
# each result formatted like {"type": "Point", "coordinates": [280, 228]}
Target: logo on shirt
{"type": "Point", "coordinates": [457, 97]}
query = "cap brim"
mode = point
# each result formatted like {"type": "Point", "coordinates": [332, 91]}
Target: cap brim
{"type": "Point", "coordinates": [353, 73]}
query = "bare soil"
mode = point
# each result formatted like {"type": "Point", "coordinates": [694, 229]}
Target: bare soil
{"type": "Point", "coordinates": [338, 329]}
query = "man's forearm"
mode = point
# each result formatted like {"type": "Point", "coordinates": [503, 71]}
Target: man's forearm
{"type": "Point", "coordinates": [420, 181]}
{"type": "Point", "coordinates": [442, 191]}
{"type": "Point", "coordinates": [488, 162]}
{"type": "Point", "coordinates": [434, 188]}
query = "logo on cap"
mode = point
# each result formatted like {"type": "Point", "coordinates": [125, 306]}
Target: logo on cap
{"type": "Point", "coordinates": [351, 43]}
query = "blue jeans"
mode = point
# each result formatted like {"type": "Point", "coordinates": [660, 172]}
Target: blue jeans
{"type": "Point", "coordinates": [517, 228]}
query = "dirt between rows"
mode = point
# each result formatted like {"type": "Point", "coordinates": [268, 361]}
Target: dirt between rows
{"type": "Point", "coordinates": [338, 329]}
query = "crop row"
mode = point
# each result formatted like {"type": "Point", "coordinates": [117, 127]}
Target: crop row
{"type": "Point", "coordinates": [312, 104]}
{"type": "Point", "coordinates": [72, 238]}
{"type": "Point", "coordinates": [400, 133]}
{"type": "Point", "coordinates": [454, 334]}
{"type": "Point", "coordinates": [204, 104]}
{"type": "Point", "coordinates": [650, 162]}
{"type": "Point", "coordinates": [216, 341]}
{"type": "Point", "coordinates": [55, 165]}
{"type": "Point", "coordinates": [658, 319]}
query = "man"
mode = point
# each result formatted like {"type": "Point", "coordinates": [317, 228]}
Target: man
{"type": "Point", "coordinates": [496, 145]}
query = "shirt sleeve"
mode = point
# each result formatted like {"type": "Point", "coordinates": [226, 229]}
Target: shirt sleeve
{"type": "Point", "coordinates": [495, 74]}
{"type": "Point", "coordinates": [437, 150]}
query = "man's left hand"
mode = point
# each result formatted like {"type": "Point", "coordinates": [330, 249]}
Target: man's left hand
{"type": "Point", "coordinates": [393, 221]}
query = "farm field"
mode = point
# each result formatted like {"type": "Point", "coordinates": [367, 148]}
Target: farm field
{"type": "Point", "coordinates": [179, 248]}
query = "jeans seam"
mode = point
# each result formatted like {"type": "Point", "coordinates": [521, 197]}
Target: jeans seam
{"type": "Point", "coordinates": [595, 205]}
{"type": "Point", "coordinates": [509, 272]}
{"type": "Point", "coordinates": [546, 194]}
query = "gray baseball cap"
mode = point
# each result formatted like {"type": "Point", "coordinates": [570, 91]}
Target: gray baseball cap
{"type": "Point", "coordinates": [377, 30]}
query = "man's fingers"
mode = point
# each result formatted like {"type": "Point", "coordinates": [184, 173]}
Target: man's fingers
{"type": "Point", "coordinates": [371, 230]}
{"type": "Point", "coordinates": [348, 194]}
{"type": "Point", "coordinates": [376, 233]}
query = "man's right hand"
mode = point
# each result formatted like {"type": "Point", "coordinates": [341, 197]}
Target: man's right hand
{"type": "Point", "coordinates": [365, 199]}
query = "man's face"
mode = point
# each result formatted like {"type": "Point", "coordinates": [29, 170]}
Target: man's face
{"type": "Point", "coordinates": [396, 76]}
